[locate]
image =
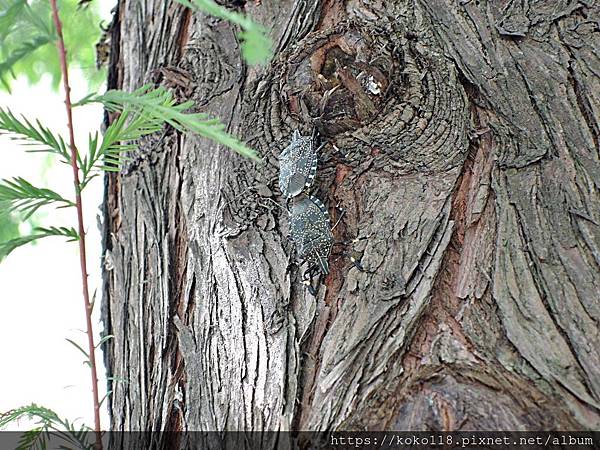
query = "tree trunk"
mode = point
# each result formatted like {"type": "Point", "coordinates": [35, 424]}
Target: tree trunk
{"type": "Point", "coordinates": [466, 153]}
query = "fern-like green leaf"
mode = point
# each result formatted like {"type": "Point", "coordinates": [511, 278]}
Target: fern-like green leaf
{"type": "Point", "coordinates": [119, 138]}
{"type": "Point", "coordinates": [26, 198]}
{"type": "Point", "coordinates": [48, 422]}
{"type": "Point", "coordinates": [158, 105]}
{"type": "Point", "coordinates": [7, 247]}
{"type": "Point", "coordinates": [33, 411]}
{"type": "Point", "coordinates": [27, 38]}
{"type": "Point", "coordinates": [39, 136]}
{"type": "Point", "coordinates": [38, 233]}
{"type": "Point", "coordinates": [23, 50]}
{"type": "Point", "coordinates": [9, 224]}
{"type": "Point", "coordinates": [256, 46]}
{"type": "Point", "coordinates": [22, 33]}
{"type": "Point", "coordinates": [9, 14]}
{"type": "Point", "coordinates": [32, 439]}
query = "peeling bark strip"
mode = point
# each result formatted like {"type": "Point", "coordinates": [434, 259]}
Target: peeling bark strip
{"type": "Point", "coordinates": [468, 138]}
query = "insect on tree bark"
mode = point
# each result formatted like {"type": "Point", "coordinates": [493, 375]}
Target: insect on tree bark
{"type": "Point", "coordinates": [468, 153]}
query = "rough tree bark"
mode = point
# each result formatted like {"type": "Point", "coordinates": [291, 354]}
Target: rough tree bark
{"type": "Point", "coordinates": [468, 154]}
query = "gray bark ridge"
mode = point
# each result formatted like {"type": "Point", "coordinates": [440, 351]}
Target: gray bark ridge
{"type": "Point", "coordinates": [469, 158]}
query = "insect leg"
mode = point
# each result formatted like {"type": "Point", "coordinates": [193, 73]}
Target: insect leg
{"type": "Point", "coordinates": [307, 280]}
{"type": "Point", "coordinates": [355, 256]}
{"type": "Point", "coordinates": [339, 219]}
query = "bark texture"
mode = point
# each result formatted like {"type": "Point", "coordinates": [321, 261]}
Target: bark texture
{"type": "Point", "coordinates": [468, 156]}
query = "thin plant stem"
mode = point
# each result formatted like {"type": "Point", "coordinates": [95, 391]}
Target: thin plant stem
{"type": "Point", "coordinates": [79, 205]}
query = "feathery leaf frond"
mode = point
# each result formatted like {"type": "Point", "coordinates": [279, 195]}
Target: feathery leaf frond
{"type": "Point", "coordinates": [158, 105]}
{"type": "Point", "coordinates": [26, 198]}
{"type": "Point", "coordinates": [47, 421]}
{"type": "Point", "coordinates": [38, 233]}
{"type": "Point", "coordinates": [119, 138]}
{"type": "Point", "coordinates": [24, 130]}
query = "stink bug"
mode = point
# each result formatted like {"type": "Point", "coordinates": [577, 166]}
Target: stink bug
{"type": "Point", "coordinates": [310, 231]}
{"type": "Point", "coordinates": [297, 165]}
{"type": "Point", "coordinates": [312, 235]}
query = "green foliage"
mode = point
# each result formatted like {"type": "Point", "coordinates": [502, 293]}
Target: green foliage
{"type": "Point", "coordinates": [79, 347]}
{"type": "Point", "coordinates": [104, 339]}
{"type": "Point", "coordinates": [121, 136]}
{"type": "Point", "coordinates": [26, 31]}
{"type": "Point", "coordinates": [47, 421]}
{"type": "Point", "coordinates": [9, 225]}
{"type": "Point", "coordinates": [256, 46]}
{"type": "Point", "coordinates": [155, 106]}
{"type": "Point", "coordinates": [142, 112]}
{"type": "Point", "coordinates": [22, 196]}
{"type": "Point", "coordinates": [27, 38]}
{"type": "Point", "coordinates": [6, 247]}
{"type": "Point", "coordinates": [39, 138]}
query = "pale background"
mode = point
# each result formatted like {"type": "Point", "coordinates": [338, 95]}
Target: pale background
{"type": "Point", "coordinates": [40, 285]}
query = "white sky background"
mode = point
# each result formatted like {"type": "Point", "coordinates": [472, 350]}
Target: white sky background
{"type": "Point", "coordinates": [40, 285]}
